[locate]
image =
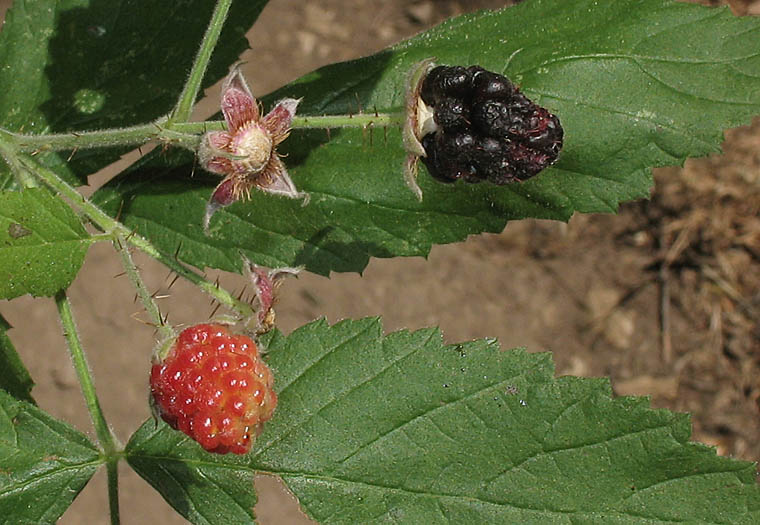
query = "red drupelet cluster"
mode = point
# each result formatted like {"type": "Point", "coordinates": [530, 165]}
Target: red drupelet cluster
{"type": "Point", "coordinates": [214, 387]}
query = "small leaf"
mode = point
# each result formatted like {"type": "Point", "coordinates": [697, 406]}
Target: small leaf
{"type": "Point", "coordinates": [42, 243]}
{"type": "Point", "coordinates": [14, 377]}
{"type": "Point", "coordinates": [636, 84]}
{"type": "Point", "coordinates": [95, 65]}
{"type": "Point", "coordinates": [204, 488]}
{"type": "Point", "coordinates": [403, 428]}
{"type": "Point", "coordinates": [44, 463]}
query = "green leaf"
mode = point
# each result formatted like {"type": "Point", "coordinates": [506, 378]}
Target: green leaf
{"type": "Point", "coordinates": [80, 64]}
{"type": "Point", "coordinates": [204, 488]}
{"type": "Point", "coordinates": [42, 243]}
{"type": "Point", "coordinates": [14, 377]}
{"type": "Point", "coordinates": [44, 463]}
{"type": "Point", "coordinates": [636, 84]}
{"type": "Point", "coordinates": [372, 428]}
{"type": "Point", "coordinates": [403, 428]}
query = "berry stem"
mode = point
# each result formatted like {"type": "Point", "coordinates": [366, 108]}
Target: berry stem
{"type": "Point", "coordinates": [183, 134]}
{"type": "Point", "coordinates": [189, 93]}
{"type": "Point", "coordinates": [114, 228]}
{"type": "Point", "coordinates": [166, 332]}
{"type": "Point", "coordinates": [360, 120]}
{"type": "Point", "coordinates": [102, 430]}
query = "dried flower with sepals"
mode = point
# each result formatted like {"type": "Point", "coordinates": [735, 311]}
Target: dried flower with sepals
{"type": "Point", "coordinates": [265, 282]}
{"type": "Point", "coordinates": [246, 154]}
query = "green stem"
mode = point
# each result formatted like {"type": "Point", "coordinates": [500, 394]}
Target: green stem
{"type": "Point", "coordinates": [146, 298]}
{"type": "Point", "coordinates": [135, 135]}
{"type": "Point", "coordinates": [360, 120]}
{"type": "Point", "coordinates": [83, 372]}
{"type": "Point", "coordinates": [102, 431]}
{"type": "Point", "coordinates": [186, 100]}
{"type": "Point", "coordinates": [183, 134]}
{"type": "Point", "coordinates": [106, 223]}
{"type": "Point", "coordinates": [23, 177]}
{"type": "Point", "coordinates": [112, 470]}
{"type": "Point", "coordinates": [20, 173]}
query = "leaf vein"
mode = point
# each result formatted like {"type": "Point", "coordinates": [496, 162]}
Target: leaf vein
{"type": "Point", "coordinates": [426, 413]}
{"type": "Point", "coordinates": [298, 424]}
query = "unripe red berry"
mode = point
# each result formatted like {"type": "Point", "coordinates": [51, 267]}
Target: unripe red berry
{"type": "Point", "coordinates": [214, 387]}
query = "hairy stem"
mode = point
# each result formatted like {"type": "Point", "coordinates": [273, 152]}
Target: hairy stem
{"type": "Point", "coordinates": [360, 120]}
{"type": "Point", "coordinates": [146, 298]}
{"type": "Point", "coordinates": [83, 373]}
{"type": "Point", "coordinates": [189, 93]}
{"type": "Point", "coordinates": [112, 470]}
{"type": "Point", "coordinates": [113, 227]}
{"type": "Point", "coordinates": [133, 136]}
{"type": "Point", "coordinates": [102, 431]}
{"type": "Point", "coordinates": [182, 134]}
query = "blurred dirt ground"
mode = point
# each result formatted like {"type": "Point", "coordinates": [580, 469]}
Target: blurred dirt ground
{"type": "Point", "coordinates": [663, 298]}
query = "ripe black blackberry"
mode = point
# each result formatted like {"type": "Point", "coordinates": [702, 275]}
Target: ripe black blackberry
{"type": "Point", "coordinates": [485, 129]}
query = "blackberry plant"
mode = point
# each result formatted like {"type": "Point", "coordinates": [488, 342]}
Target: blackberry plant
{"type": "Point", "coordinates": [368, 426]}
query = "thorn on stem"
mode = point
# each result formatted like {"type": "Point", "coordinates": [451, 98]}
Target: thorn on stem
{"type": "Point", "coordinates": [118, 214]}
{"type": "Point", "coordinates": [358, 102]}
{"type": "Point", "coordinates": [213, 312]}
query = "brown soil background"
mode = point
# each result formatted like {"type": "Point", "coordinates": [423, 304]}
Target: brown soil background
{"type": "Point", "coordinates": [662, 298]}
